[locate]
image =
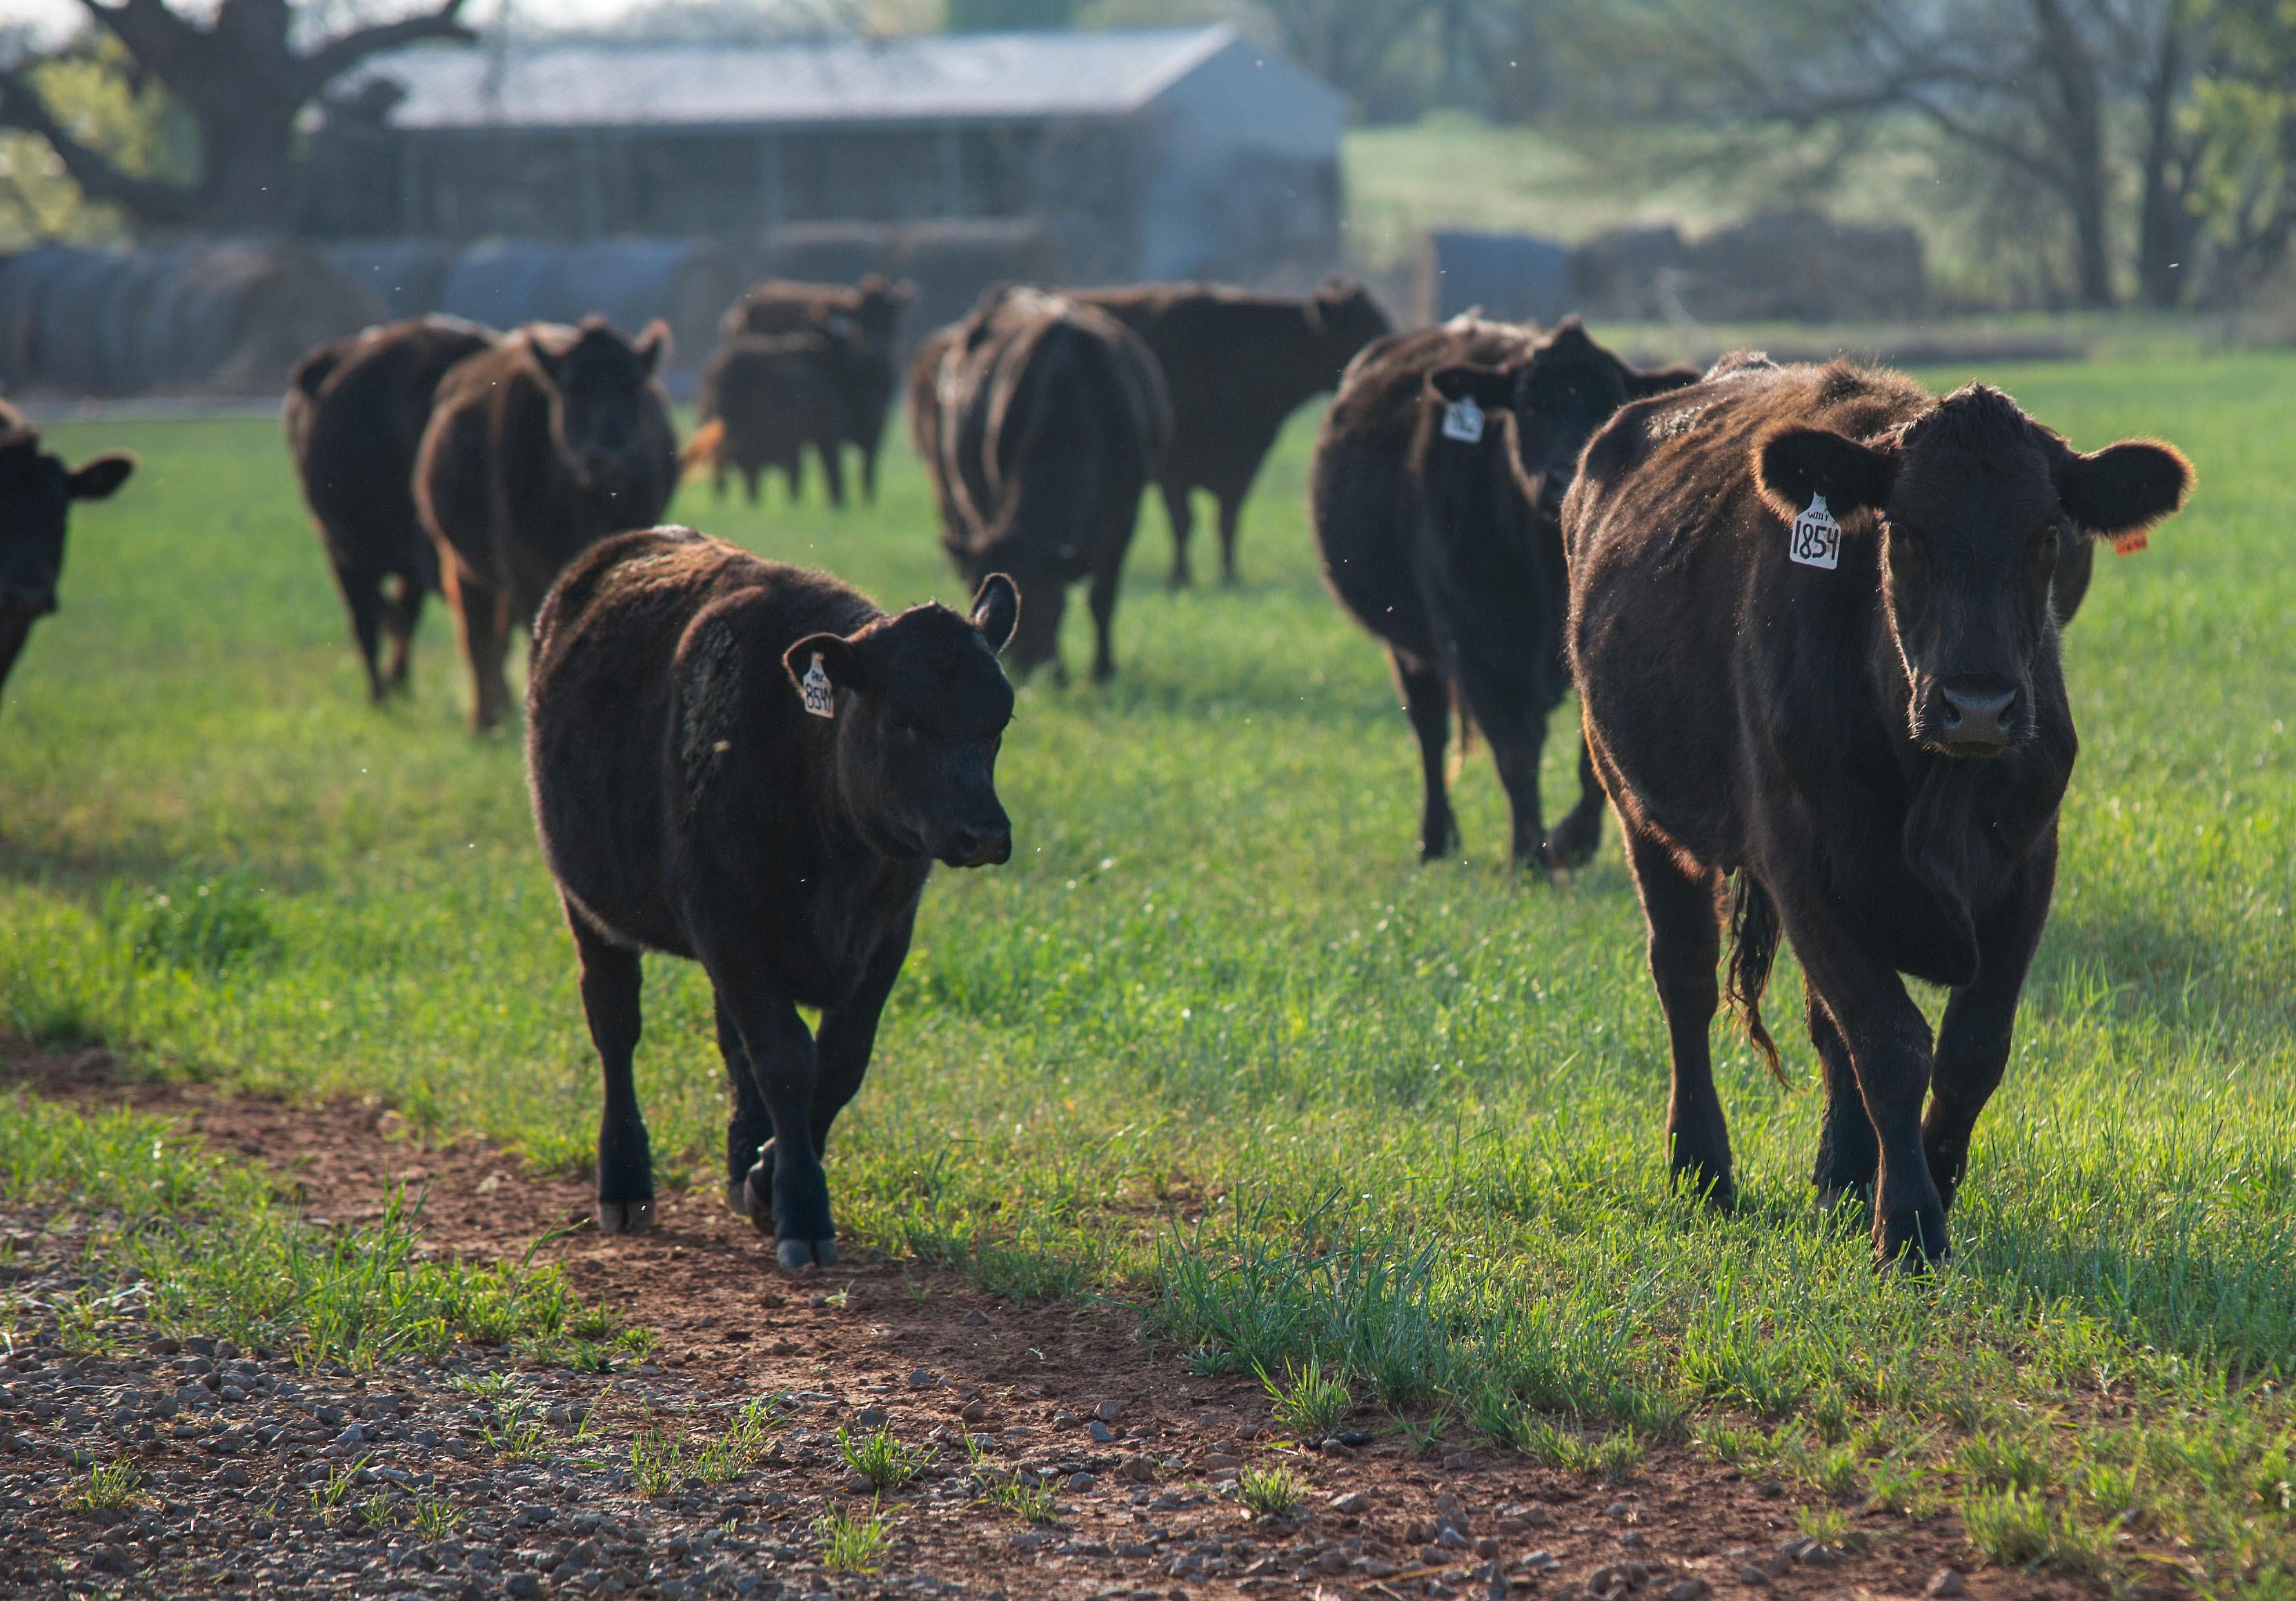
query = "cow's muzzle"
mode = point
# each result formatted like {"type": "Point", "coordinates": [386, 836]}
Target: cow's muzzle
{"type": "Point", "coordinates": [986, 846]}
{"type": "Point", "coordinates": [26, 603]}
{"type": "Point", "coordinates": [1975, 716]}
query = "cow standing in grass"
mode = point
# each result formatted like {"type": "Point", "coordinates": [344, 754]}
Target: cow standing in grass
{"type": "Point", "coordinates": [770, 396]}
{"type": "Point", "coordinates": [1811, 620]}
{"type": "Point", "coordinates": [355, 413]}
{"type": "Point", "coordinates": [536, 450]}
{"type": "Point", "coordinates": [1042, 421]}
{"type": "Point", "coordinates": [1237, 366]}
{"type": "Point", "coordinates": [750, 766]}
{"type": "Point", "coordinates": [1435, 494]}
{"type": "Point", "coordinates": [866, 320]}
{"type": "Point", "coordinates": [36, 490]}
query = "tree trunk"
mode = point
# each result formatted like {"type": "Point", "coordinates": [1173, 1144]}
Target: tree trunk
{"type": "Point", "coordinates": [2078, 120]}
{"type": "Point", "coordinates": [2166, 228]}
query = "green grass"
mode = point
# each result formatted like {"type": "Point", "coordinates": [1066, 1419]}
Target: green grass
{"type": "Point", "coordinates": [884, 1462]}
{"type": "Point", "coordinates": [1213, 1040]}
{"type": "Point", "coordinates": [851, 1544]}
{"type": "Point", "coordinates": [1271, 1492]}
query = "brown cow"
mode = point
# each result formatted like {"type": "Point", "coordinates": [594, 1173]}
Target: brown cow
{"type": "Point", "coordinates": [355, 413]}
{"type": "Point", "coordinates": [36, 490]}
{"type": "Point", "coordinates": [773, 395]}
{"type": "Point", "coordinates": [536, 449]}
{"type": "Point", "coordinates": [867, 317]}
{"type": "Point", "coordinates": [1237, 366]}
{"type": "Point", "coordinates": [1435, 492]}
{"type": "Point", "coordinates": [1813, 625]}
{"type": "Point", "coordinates": [1042, 421]}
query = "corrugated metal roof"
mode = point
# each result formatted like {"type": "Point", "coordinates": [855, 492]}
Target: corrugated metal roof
{"type": "Point", "coordinates": [925, 77]}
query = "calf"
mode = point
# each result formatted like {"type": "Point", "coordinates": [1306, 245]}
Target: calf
{"type": "Point", "coordinates": [1811, 620]}
{"type": "Point", "coordinates": [36, 490]}
{"type": "Point", "coordinates": [1237, 366]}
{"type": "Point", "coordinates": [1435, 493]}
{"type": "Point", "coordinates": [1042, 421]}
{"type": "Point", "coordinates": [354, 414]}
{"type": "Point", "coordinates": [750, 766]}
{"type": "Point", "coordinates": [866, 318]}
{"type": "Point", "coordinates": [536, 450]}
{"type": "Point", "coordinates": [773, 395]}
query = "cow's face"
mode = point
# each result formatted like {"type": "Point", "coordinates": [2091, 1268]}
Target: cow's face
{"type": "Point", "coordinates": [876, 314]}
{"type": "Point", "coordinates": [1565, 388]}
{"type": "Point", "coordinates": [920, 706]}
{"type": "Point", "coordinates": [1975, 506]}
{"type": "Point", "coordinates": [600, 386]}
{"type": "Point", "coordinates": [36, 490]}
{"type": "Point", "coordinates": [1345, 319]}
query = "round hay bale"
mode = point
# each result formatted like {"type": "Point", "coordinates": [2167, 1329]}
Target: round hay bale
{"type": "Point", "coordinates": [251, 311]}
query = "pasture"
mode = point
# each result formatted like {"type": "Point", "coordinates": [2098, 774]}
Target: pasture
{"type": "Point", "coordinates": [1214, 1044]}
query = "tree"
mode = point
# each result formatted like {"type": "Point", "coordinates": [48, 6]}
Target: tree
{"type": "Point", "coordinates": [242, 80]}
{"type": "Point", "coordinates": [986, 16]}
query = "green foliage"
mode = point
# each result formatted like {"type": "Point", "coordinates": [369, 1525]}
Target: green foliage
{"type": "Point", "coordinates": [885, 1462]}
{"type": "Point", "coordinates": [986, 16]}
{"type": "Point", "coordinates": [201, 924]}
{"type": "Point", "coordinates": [1307, 1401]}
{"type": "Point", "coordinates": [663, 1457]}
{"type": "Point", "coordinates": [108, 1488]}
{"type": "Point", "coordinates": [851, 1544]}
{"type": "Point", "coordinates": [1271, 1492]}
{"type": "Point", "coordinates": [2019, 1527]}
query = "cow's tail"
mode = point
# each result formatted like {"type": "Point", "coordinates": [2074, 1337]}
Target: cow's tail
{"type": "Point", "coordinates": [1754, 934]}
{"type": "Point", "coordinates": [1466, 730]}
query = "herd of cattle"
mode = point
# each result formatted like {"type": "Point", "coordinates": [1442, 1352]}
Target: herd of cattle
{"type": "Point", "coordinates": [1812, 614]}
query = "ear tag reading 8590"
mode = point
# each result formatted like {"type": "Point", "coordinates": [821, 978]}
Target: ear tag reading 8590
{"type": "Point", "coordinates": [1463, 420]}
{"type": "Point", "coordinates": [820, 699]}
{"type": "Point", "coordinates": [1817, 536]}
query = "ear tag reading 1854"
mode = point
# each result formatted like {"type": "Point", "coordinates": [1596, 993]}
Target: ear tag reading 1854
{"type": "Point", "coordinates": [1463, 420]}
{"type": "Point", "coordinates": [1817, 536]}
{"type": "Point", "coordinates": [820, 699]}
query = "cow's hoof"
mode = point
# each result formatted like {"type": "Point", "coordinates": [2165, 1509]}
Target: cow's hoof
{"type": "Point", "coordinates": [797, 1255]}
{"type": "Point", "coordinates": [625, 1217]}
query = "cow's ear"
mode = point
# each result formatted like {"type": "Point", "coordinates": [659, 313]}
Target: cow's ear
{"type": "Point", "coordinates": [2124, 489]}
{"type": "Point", "coordinates": [653, 347]}
{"type": "Point", "coordinates": [1491, 388]}
{"type": "Point", "coordinates": [997, 610]}
{"type": "Point", "coordinates": [97, 476]}
{"type": "Point", "coordinates": [1795, 464]}
{"type": "Point", "coordinates": [845, 662]}
{"type": "Point", "coordinates": [1646, 383]}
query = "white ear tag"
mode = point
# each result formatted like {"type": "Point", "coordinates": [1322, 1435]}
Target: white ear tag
{"type": "Point", "coordinates": [820, 699]}
{"type": "Point", "coordinates": [1463, 420]}
{"type": "Point", "coordinates": [1816, 539]}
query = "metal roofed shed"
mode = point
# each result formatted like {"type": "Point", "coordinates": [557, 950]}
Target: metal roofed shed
{"type": "Point", "coordinates": [1148, 153]}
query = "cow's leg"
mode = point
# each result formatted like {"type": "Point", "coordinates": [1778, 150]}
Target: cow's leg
{"type": "Point", "coordinates": [1889, 1053]}
{"type": "Point", "coordinates": [1182, 515]}
{"type": "Point", "coordinates": [362, 589]}
{"type": "Point", "coordinates": [1108, 573]}
{"type": "Point", "coordinates": [610, 985]}
{"type": "Point", "coordinates": [15, 629]}
{"type": "Point", "coordinates": [869, 471]}
{"type": "Point", "coordinates": [1847, 1153]}
{"type": "Point", "coordinates": [399, 626]}
{"type": "Point", "coordinates": [1427, 702]}
{"type": "Point", "coordinates": [1686, 942]}
{"type": "Point", "coordinates": [1231, 518]}
{"type": "Point", "coordinates": [848, 1034]}
{"type": "Point", "coordinates": [832, 472]}
{"type": "Point", "coordinates": [781, 1061]}
{"type": "Point", "coordinates": [718, 479]}
{"type": "Point", "coordinates": [1972, 1044]}
{"type": "Point", "coordinates": [749, 1130]}
{"type": "Point", "coordinates": [482, 622]}
{"type": "Point", "coordinates": [1573, 842]}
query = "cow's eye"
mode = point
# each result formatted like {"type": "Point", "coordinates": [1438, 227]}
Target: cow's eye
{"type": "Point", "coordinates": [2044, 544]}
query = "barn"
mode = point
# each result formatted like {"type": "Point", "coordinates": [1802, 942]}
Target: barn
{"type": "Point", "coordinates": [1145, 153]}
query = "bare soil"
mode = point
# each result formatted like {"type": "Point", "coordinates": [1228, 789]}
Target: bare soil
{"type": "Point", "coordinates": [1147, 1521]}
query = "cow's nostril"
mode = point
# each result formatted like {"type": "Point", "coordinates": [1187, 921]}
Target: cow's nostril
{"type": "Point", "coordinates": [1976, 717]}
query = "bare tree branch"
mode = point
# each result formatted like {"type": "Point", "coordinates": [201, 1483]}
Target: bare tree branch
{"type": "Point", "coordinates": [330, 61]}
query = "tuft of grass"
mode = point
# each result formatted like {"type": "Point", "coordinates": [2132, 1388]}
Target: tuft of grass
{"type": "Point", "coordinates": [851, 1544]}
{"type": "Point", "coordinates": [664, 1456]}
{"type": "Point", "coordinates": [1997, 1462]}
{"type": "Point", "coordinates": [203, 924]}
{"type": "Point", "coordinates": [1827, 1525]}
{"type": "Point", "coordinates": [329, 1497]}
{"type": "Point", "coordinates": [1610, 1457]}
{"type": "Point", "coordinates": [885, 1462]}
{"type": "Point", "coordinates": [1309, 1401]}
{"type": "Point", "coordinates": [1271, 1492]}
{"type": "Point", "coordinates": [513, 1436]}
{"type": "Point", "coordinates": [378, 1512]}
{"type": "Point", "coordinates": [108, 1488]}
{"type": "Point", "coordinates": [2021, 1528]}
{"type": "Point", "coordinates": [434, 1519]}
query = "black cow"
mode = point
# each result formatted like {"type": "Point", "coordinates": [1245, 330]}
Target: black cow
{"type": "Point", "coordinates": [865, 319]}
{"type": "Point", "coordinates": [772, 395]}
{"type": "Point", "coordinates": [536, 450]}
{"type": "Point", "coordinates": [36, 490]}
{"type": "Point", "coordinates": [1434, 494]}
{"type": "Point", "coordinates": [1238, 364]}
{"type": "Point", "coordinates": [750, 766]}
{"type": "Point", "coordinates": [1042, 420]}
{"type": "Point", "coordinates": [1812, 627]}
{"type": "Point", "coordinates": [355, 413]}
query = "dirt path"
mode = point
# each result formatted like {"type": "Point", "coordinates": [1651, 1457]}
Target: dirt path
{"type": "Point", "coordinates": [1134, 1447]}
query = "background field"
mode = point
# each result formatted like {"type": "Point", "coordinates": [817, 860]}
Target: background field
{"type": "Point", "coordinates": [1214, 1040]}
